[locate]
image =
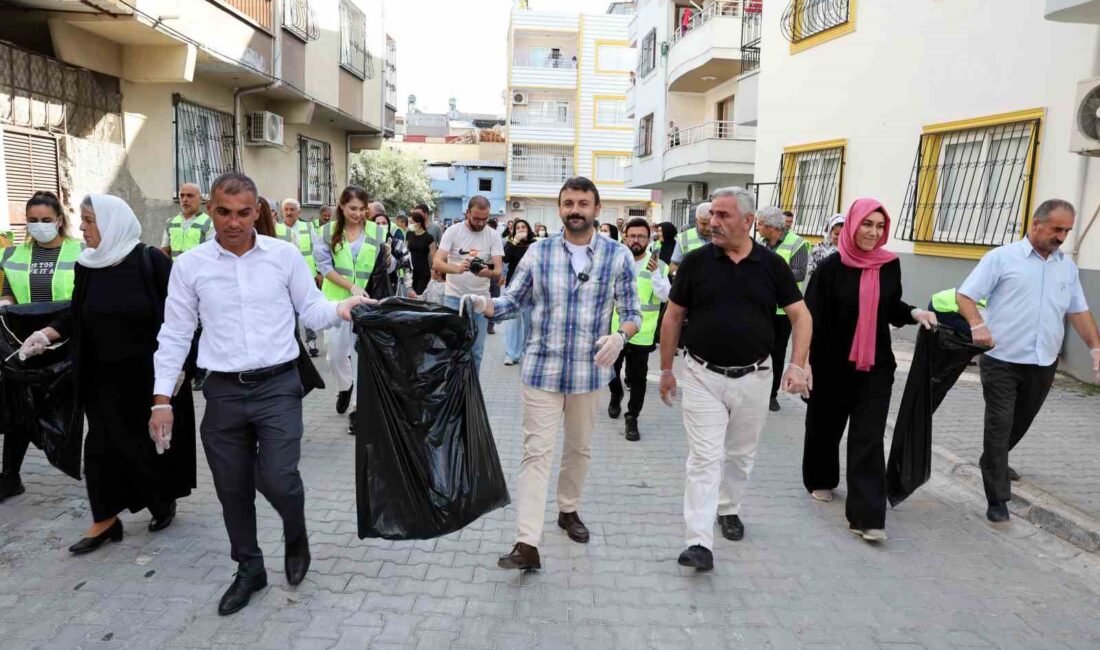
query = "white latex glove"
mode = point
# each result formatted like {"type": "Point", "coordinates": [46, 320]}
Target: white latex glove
{"type": "Point", "coordinates": [358, 291]}
{"type": "Point", "coordinates": [924, 318]}
{"type": "Point", "coordinates": [160, 428]}
{"type": "Point", "coordinates": [344, 307]}
{"type": "Point", "coordinates": [610, 347]}
{"type": "Point", "coordinates": [34, 345]}
{"type": "Point", "coordinates": [1096, 364]}
{"type": "Point", "coordinates": [478, 303]}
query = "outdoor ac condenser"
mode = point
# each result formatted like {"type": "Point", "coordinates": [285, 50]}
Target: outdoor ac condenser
{"type": "Point", "coordinates": [1085, 137]}
{"type": "Point", "coordinates": [519, 99]}
{"type": "Point", "coordinates": [266, 129]}
{"type": "Point", "coordinates": [518, 205]}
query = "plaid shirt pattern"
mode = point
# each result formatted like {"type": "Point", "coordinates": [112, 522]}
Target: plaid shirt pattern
{"type": "Point", "coordinates": [569, 315]}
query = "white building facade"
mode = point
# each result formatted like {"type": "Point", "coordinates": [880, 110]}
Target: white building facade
{"type": "Point", "coordinates": [568, 76]}
{"type": "Point", "coordinates": [961, 117]}
{"type": "Point", "coordinates": [693, 101]}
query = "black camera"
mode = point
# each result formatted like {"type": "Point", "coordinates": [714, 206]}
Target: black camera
{"type": "Point", "coordinates": [477, 266]}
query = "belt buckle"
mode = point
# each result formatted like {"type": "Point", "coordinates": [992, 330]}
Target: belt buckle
{"type": "Point", "coordinates": [241, 379]}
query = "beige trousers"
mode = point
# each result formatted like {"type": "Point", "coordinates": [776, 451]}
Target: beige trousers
{"type": "Point", "coordinates": [542, 415]}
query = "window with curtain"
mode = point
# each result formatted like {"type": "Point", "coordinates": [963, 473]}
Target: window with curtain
{"type": "Point", "coordinates": [611, 112]}
{"type": "Point", "coordinates": [609, 168]}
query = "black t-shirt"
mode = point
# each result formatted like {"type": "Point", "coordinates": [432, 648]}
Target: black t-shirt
{"type": "Point", "coordinates": [731, 306]}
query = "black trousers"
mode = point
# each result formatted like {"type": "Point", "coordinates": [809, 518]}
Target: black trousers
{"type": "Point", "coordinates": [636, 358]}
{"type": "Point", "coordinates": [252, 435]}
{"type": "Point", "coordinates": [860, 401]}
{"type": "Point", "coordinates": [781, 325]}
{"type": "Point", "coordinates": [16, 443]}
{"type": "Point", "coordinates": [1014, 393]}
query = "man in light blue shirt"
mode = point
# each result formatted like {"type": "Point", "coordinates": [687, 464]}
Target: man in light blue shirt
{"type": "Point", "coordinates": [1032, 287]}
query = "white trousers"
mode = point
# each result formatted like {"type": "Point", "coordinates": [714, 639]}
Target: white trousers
{"type": "Point", "coordinates": [542, 414]}
{"type": "Point", "coordinates": [723, 418]}
{"type": "Point", "coordinates": [342, 357]}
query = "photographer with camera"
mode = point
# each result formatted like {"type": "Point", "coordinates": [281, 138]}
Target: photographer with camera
{"type": "Point", "coordinates": [472, 257]}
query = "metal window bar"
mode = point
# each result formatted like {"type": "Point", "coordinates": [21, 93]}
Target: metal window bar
{"type": "Point", "coordinates": [316, 172]}
{"type": "Point", "coordinates": [706, 131]}
{"type": "Point", "coordinates": [751, 24]}
{"type": "Point", "coordinates": [299, 19]}
{"type": "Point", "coordinates": [808, 184]}
{"type": "Point", "coordinates": [730, 8]}
{"type": "Point", "coordinates": [353, 39]}
{"type": "Point", "coordinates": [204, 144]}
{"type": "Point", "coordinates": [805, 18]}
{"type": "Point", "coordinates": [681, 213]}
{"type": "Point", "coordinates": [972, 186]}
{"type": "Point", "coordinates": [541, 163]}
{"type": "Point", "coordinates": [647, 54]}
{"type": "Point", "coordinates": [548, 62]}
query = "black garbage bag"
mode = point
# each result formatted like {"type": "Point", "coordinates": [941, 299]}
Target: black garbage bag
{"type": "Point", "coordinates": [425, 460]}
{"type": "Point", "coordinates": [941, 356]}
{"type": "Point", "coordinates": [37, 395]}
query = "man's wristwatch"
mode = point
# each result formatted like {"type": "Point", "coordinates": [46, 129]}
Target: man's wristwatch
{"type": "Point", "coordinates": [621, 333]}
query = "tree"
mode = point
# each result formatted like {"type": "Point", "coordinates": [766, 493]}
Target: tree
{"type": "Point", "coordinates": [399, 180]}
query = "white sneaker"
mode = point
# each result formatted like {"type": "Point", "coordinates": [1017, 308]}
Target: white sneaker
{"type": "Point", "coordinates": [871, 534]}
{"type": "Point", "coordinates": [509, 362]}
{"type": "Point", "coordinates": [822, 495]}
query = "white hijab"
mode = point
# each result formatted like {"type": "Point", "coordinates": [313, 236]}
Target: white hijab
{"type": "Point", "coordinates": [119, 232]}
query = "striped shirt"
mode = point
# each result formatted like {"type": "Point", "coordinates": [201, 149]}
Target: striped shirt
{"type": "Point", "coordinates": [568, 315]}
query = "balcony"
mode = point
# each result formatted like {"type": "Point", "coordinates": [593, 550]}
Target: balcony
{"type": "Point", "coordinates": [539, 174]}
{"type": "Point", "coordinates": [543, 71]}
{"type": "Point", "coordinates": [708, 151]}
{"type": "Point", "coordinates": [707, 51]}
{"type": "Point", "coordinates": [541, 125]}
{"type": "Point", "coordinates": [1074, 11]}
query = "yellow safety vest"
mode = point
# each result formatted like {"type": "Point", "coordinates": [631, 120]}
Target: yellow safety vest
{"type": "Point", "coordinates": [690, 240]}
{"type": "Point", "coordinates": [650, 303]}
{"type": "Point", "coordinates": [946, 303]}
{"type": "Point", "coordinates": [787, 248]}
{"type": "Point", "coordinates": [181, 240]}
{"type": "Point", "coordinates": [16, 262]}
{"type": "Point", "coordinates": [356, 271]}
{"type": "Point", "coordinates": [305, 241]}
{"type": "Point", "coordinates": [6, 239]}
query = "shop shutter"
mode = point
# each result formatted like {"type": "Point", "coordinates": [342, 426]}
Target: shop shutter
{"type": "Point", "coordinates": [30, 165]}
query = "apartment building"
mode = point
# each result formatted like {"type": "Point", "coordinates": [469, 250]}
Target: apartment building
{"type": "Point", "coordinates": [136, 97]}
{"type": "Point", "coordinates": [961, 117]}
{"type": "Point", "coordinates": [568, 76]}
{"type": "Point", "coordinates": [693, 100]}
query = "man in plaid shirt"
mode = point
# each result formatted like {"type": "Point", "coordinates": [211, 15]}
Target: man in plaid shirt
{"type": "Point", "coordinates": [570, 283]}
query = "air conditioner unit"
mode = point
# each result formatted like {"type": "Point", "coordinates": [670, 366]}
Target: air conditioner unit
{"type": "Point", "coordinates": [697, 192]}
{"type": "Point", "coordinates": [519, 99]}
{"type": "Point", "coordinates": [1085, 138]}
{"type": "Point", "coordinates": [518, 205]}
{"type": "Point", "coordinates": [266, 128]}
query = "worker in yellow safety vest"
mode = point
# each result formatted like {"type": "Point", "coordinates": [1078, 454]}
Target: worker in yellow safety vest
{"type": "Point", "coordinates": [653, 288]}
{"type": "Point", "coordinates": [692, 238]}
{"type": "Point", "coordinates": [298, 232]}
{"type": "Point", "coordinates": [190, 227]}
{"type": "Point", "coordinates": [771, 223]}
{"type": "Point", "coordinates": [42, 269]}
{"type": "Point", "coordinates": [946, 308]}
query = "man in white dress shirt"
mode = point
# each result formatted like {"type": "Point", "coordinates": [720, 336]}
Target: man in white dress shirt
{"type": "Point", "coordinates": [246, 288]}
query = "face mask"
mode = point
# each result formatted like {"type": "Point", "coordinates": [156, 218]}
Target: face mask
{"type": "Point", "coordinates": [43, 233]}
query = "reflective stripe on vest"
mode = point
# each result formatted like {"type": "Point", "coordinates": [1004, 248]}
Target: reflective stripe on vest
{"type": "Point", "coordinates": [181, 240]}
{"type": "Point", "coordinates": [357, 271]}
{"type": "Point", "coordinates": [945, 301]}
{"type": "Point", "coordinates": [650, 305]}
{"type": "Point", "coordinates": [787, 248]}
{"type": "Point", "coordinates": [690, 240]}
{"type": "Point", "coordinates": [16, 262]}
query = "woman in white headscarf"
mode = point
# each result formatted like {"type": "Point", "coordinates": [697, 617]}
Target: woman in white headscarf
{"type": "Point", "coordinates": [828, 245]}
{"type": "Point", "coordinates": [116, 311]}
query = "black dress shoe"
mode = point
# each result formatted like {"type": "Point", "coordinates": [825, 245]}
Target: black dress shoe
{"type": "Point", "coordinates": [351, 422]}
{"type": "Point", "coordinates": [1013, 475]}
{"type": "Point", "coordinates": [523, 557]}
{"type": "Point", "coordinates": [574, 527]}
{"type": "Point", "coordinates": [698, 557]}
{"type": "Point", "coordinates": [614, 409]}
{"type": "Point", "coordinates": [297, 559]}
{"type": "Point", "coordinates": [343, 400]}
{"type": "Point", "coordinates": [89, 544]}
{"type": "Point", "coordinates": [240, 592]}
{"type": "Point", "coordinates": [997, 512]}
{"type": "Point", "coordinates": [732, 528]}
{"type": "Point", "coordinates": [773, 405]}
{"type": "Point", "coordinates": [162, 520]}
{"type": "Point", "coordinates": [632, 433]}
{"type": "Point", "coordinates": [10, 486]}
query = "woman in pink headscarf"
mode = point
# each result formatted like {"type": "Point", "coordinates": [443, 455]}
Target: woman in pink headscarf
{"type": "Point", "coordinates": [853, 297]}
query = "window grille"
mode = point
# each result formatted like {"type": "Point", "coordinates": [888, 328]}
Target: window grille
{"type": "Point", "coordinates": [808, 184]}
{"type": "Point", "coordinates": [541, 163]}
{"type": "Point", "coordinates": [972, 186]}
{"type": "Point", "coordinates": [353, 39]}
{"type": "Point", "coordinates": [750, 38]}
{"type": "Point", "coordinates": [205, 147]}
{"type": "Point", "coordinates": [644, 145]}
{"type": "Point", "coordinates": [805, 18]}
{"type": "Point", "coordinates": [300, 20]}
{"type": "Point", "coordinates": [647, 55]}
{"type": "Point", "coordinates": [316, 172]}
{"type": "Point", "coordinates": [680, 213]}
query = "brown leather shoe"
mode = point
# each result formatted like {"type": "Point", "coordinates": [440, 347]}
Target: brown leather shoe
{"type": "Point", "coordinates": [523, 557]}
{"type": "Point", "coordinates": [574, 527]}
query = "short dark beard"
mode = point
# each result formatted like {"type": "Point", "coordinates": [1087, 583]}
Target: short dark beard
{"type": "Point", "coordinates": [573, 229]}
{"type": "Point", "coordinates": [471, 226]}
{"type": "Point", "coordinates": [639, 252]}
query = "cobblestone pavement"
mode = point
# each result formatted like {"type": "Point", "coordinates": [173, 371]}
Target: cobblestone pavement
{"type": "Point", "coordinates": [1060, 453]}
{"type": "Point", "coordinates": [945, 578]}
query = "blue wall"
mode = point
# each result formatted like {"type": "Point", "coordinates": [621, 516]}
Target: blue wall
{"type": "Point", "coordinates": [456, 192]}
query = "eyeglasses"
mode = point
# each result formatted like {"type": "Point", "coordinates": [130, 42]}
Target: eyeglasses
{"type": "Point", "coordinates": [638, 237]}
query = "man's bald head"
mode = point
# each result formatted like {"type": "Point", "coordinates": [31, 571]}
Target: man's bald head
{"type": "Point", "coordinates": [190, 197]}
{"type": "Point", "coordinates": [376, 208]}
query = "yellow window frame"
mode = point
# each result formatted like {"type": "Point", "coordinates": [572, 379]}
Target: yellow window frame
{"type": "Point", "coordinates": [596, 112]}
{"type": "Point", "coordinates": [928, 185]}
{"type": "Point", "coordinates": [823, 36]}
{"type": "Point", "coordinates": [617, 154]}
{"type": "Point", "coordinates": [610, 43]}
{"type": "Point", "coordinates": [788, 172]}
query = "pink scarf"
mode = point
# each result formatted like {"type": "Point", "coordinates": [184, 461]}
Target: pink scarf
{"type": "Point", "coordinates": [863, 344]}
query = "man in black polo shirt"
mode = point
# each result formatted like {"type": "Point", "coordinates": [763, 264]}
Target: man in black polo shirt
{"type": "Point", "coordinates": [730, 289]}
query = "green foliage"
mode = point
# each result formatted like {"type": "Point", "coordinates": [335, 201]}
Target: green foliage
{"type": "Point", "coordinates": [398, 180]}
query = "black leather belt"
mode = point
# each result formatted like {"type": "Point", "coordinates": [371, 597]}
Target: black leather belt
{"type": "Point", "coordinates": [258, 375]}
{"type": "Point", "coordinates": [733, 372]}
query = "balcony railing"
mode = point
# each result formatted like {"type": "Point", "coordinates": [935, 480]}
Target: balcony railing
{"type": "Point", "coordinates": [706, 131]}
{"type": "Point", "coordinates": [546, 63]}
{"type": "Point", "coordinates": [541, 169]}
{"type": "Point", "coordinates": [538, 118]}
{"type": "Point", "coordinates": [729, 8]}
{"type": "Point", "coordinates": [750, 40]}
{"type": "Point", "coordinates": [805, 18]}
